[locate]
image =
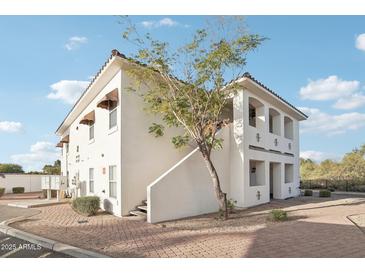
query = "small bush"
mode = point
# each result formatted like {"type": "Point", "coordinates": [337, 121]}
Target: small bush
{"type": "Point", "coordinates": [278, 215]}
{"type": "Point", "coordinates": [331, 188]}
{"type": "Point", "coordinates": [87, 205]}
{"type": "Point", "coordinates": [231, 204]}
{"type": "Point", "coordinates": [2, 191]}
{"type": "Point", "coordinates": [18, 190]}
{"type": "Point", "coordinates": [324, 193]}
{"type": "Point", "coordinates": [308, 192]}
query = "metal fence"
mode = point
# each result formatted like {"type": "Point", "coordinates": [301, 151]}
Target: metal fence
{"type": "Point", "coordinates": [339, 185]}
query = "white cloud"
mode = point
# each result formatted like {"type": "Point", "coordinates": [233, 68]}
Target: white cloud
{"type": "Point", "coordinates": [321, 122]}
{"type": "Point", "coordinates": [68, 91]}
{"type": "Point", "coordinates": [165, 22]}
{"type": "Point", "coordinates": [360, 42]}
{"type": "Point", "coordinates": [317, 156]}
{"type": "Point", "coordinates": [40, 154]}
{"type": "Point", "coordinates": [353, 101]}
{"type": "Point", "coordinates": [328, 89]}
{"type": "Point", "coordinates": [75, 42]}
{"type": "Point", "coordinates": [10, 127]}
{"type": "Point", "coordinates": [346, 93]}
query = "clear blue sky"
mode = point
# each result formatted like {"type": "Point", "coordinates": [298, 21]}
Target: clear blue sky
{"type": "Point", "coordinates": [316, 63]}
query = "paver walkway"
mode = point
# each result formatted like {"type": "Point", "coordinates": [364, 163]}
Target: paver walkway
{"type": "Point", "coordinates": [7, 212]}
{"type": "Point", "coordinates": [318, 227]}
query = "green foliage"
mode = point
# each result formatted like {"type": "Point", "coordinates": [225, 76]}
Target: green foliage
{"type": "Point", "coordinates": [11, 168]}
{"type": "Point", "coordinates": [54, 169]}
{"type": "Point", "coordinates": [331, 188]}
{"type": "Point", "coordinates": [195, 102]}
{"type": "Point", "coordinates": [186, 86]}
{"type": "Point", "coordinates": [17, 190]}
{"type": "Point", "coordinates": [156, 129]}
{"type": "Point", "coordinates": [231, 204]}
{"type": "Point", "coordinates": [351, 167]}
{"type": "Point", "coordinates": [180, 141]}
{"type": "Point", "coordinates": [2, 191]}
{"type": "Point", "coordinates": [278, 215]}
{"type": "Point", "coordinates": [308, 192]}
{"type": "Point", "coordinates": [88, 205]}
{"type": "Point", "coordinates": [324, 193]}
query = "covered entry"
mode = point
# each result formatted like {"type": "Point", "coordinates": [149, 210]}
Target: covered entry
{"type": "Point", "coordinates": [275, 180]}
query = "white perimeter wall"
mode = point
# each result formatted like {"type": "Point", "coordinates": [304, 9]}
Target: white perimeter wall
{"type": "Point", "coordinates": [187, 188]}
{"type": "Point", "coordinates": [30, 182]}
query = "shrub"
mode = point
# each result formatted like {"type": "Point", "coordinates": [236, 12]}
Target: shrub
{"type": "Point", "coordinates": [331, 188]}
{"type": "Point", "coordinates": [324, 193]}
{"type": "Point", "coordinates": [278, 215]}
{"type": "Point", "coordinates": [87, 205]}
{"type": "Point", "coordinates": [231, 205]}
{"type": "Point", "coordinates": [17, 190]}
{"type": "Point", "coordinates": [308, 192]}
{"type": "Point", "coordinates": [2, 191]}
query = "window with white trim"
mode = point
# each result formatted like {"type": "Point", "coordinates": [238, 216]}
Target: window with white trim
{"type": "Point", "coordinates": [112, 114]}
{"type": "Point", "coordinates": [91, 180]}
{"type": "Point", "coordinates": [113, 181]}
{"type": "Point", "coordinates": [91, 132]}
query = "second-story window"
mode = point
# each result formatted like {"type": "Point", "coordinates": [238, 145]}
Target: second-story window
{"type": "Point", "coordinates": [91, 131]}
{"type": "Point", "coordinates": [112, 114]}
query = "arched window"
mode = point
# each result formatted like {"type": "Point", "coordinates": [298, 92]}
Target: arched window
{"type": "Point", "coordinates": [274, 122]}
{"type": "Point", "coordinates": [288, 128]}
{"type": "Point", "coordinates": [256, 113]}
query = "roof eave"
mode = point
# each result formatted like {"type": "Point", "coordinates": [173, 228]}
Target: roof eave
{"type": "Point", "coordinates": [114, 55]}
{"type": "Point", "coordinates": [247, 77]}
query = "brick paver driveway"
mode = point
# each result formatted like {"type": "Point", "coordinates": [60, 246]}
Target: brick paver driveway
{"type": "Point", "coordinates": [318, 227]}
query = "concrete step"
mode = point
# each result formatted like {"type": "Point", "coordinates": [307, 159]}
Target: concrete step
{"type": "Point", "coordinates": [138, 213]}
{"type": "Point", "coordinates": [142, 207]}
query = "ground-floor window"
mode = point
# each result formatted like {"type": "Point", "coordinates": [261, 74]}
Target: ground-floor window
{"type": "Point", "coordinates": [91, 180]}
{"type": "Point", "coordinates": [113, 181]}
{"type": "Point", "coordinates": [257, 173]}
{"type": "Point", "coordinates": [289, 173]}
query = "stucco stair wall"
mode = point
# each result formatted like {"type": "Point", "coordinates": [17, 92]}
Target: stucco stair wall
{"type": "Point", "coordinates": [186, 189]}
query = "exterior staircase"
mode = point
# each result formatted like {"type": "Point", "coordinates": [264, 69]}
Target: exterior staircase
{"type": "Point", "coordinates": [140, 210]}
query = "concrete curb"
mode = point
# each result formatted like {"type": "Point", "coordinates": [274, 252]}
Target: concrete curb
{"type": "Point", "coordinates": [14, 204]}
{"type": "Point", "coordinates": [46, 243]}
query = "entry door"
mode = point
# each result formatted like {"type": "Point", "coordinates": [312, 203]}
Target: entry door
{"type": "Point", "coordinates": [275, 180]}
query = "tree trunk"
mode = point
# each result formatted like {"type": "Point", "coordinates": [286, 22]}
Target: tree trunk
{"type": "Point", "coordinates": [221, 196]}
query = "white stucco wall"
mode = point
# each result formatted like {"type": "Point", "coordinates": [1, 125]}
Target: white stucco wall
{"type": "Point", "coordinates": [146, 166]}
{"type": "Point", "coordinates": [30, 182]}
{"type": "Point", "coordinates": [186, 189]}
{"type": "Point", "coordinates": [144, 157]}
{"type": "Point", "coordinates": [102, 152]}
{"type": "Point", "coordinates": [278, 155]}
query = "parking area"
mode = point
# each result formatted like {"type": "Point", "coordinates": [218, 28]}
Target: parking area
{"type": "Point", "coordinates": [11, 247]}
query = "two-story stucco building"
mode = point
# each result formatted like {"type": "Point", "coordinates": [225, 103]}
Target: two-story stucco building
{"type": "Point", "coordinates": [107, 151]}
